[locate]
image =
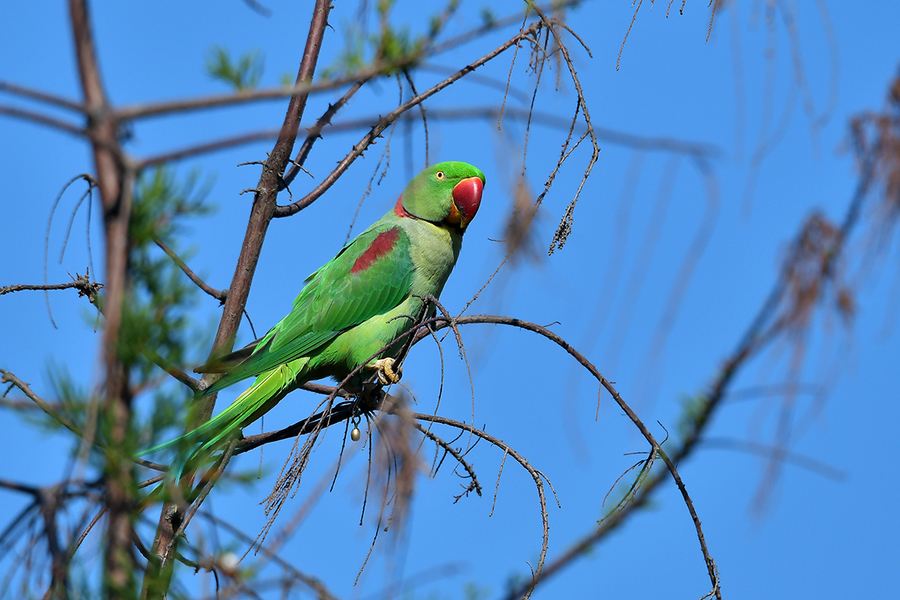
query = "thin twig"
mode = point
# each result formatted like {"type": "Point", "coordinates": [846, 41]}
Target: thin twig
{"type": "Point", "coordinates": [473, 486]}
{"type": "Point", "coordinates": [9, 377]}
{"type": "Point", "coordinates": [239, 289]}
{"type": "Point", "coordinates": [42, 119]}
{"type": "Point", "coordinates": [219, 295]}
{"type": "Point", "coordinates": [357, 150]}
{"type": "Point", "coordinates": [81, 283]}
{"type": "Point", "coordinates": [41, 96]}
{"type": "Point", "coordinates": [489, 113]}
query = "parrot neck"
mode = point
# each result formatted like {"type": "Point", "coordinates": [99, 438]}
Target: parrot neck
{"type": "Point", "coordinates": [401, 212]}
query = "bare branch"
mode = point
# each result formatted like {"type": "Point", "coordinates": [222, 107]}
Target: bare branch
{"type": "Point", "coordinates": [41, 96]}
{"type": "Point", "coordinates": [206, 148]}
{"type": "Point", "coordinates": [315, 132]}
{"type": "Point", "coordinates": [632, 416]}
{"type": "Point", "coordinates": [81, 283]}
{"type": "Point", "coordinates": [115, 184]}
{"type": "Point", "coordinates": [488, 113]}
{"type": "Point", "coordinates": [42, 119]}
{"type": "Point", "coordinates": [219, 295]}
{"type": "Point", "coordinates": [473, 486]}
{"type": "Point", "coordinates": [305, 88]}
{"type": "Point", "coordinates": [9, 377]}
{"type": "Point", "coordinates": [239, 289]}
{"type": "Point", "coordinates": [535, 475]}
{"type": "Point", "coordinates": [176, 372]}
{"type": "Point", "coordinates": [357, 150]}
{"type": "Point", "coordinates": [301, 89]}
{"type": "Point", "coordinates": [763, 329]}
{"type": "Point", "coordinates": [776, 453]}
{"type": "Point", "coordinates": [312, 582]}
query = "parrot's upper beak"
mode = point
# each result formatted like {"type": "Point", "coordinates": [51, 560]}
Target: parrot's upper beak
{"type": "Point", "coordinates": [466, 200]}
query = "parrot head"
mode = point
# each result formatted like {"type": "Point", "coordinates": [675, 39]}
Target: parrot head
{"type": "Point", "coordinates": [446, 193]}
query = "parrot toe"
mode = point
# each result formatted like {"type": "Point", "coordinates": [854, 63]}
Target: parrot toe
{"type": "Point", "coordinates": [384, 369]}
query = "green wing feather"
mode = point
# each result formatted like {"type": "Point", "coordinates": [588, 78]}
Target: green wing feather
{"type": "Point", "coordinates": [333, 300]}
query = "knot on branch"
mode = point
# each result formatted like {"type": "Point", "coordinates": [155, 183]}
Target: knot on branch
{"type": "Point", "coordinates": [86, 287]}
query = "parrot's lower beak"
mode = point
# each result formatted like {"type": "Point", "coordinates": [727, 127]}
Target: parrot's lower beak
{"type": "Point", "coordinates": [466, 200]}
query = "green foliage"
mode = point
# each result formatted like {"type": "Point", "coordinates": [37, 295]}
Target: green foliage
{"type": "Point", "coordinates": [155, 319]}
{"type": "Point", "coordinates": [71, 401]}
{"type": "Point", "coordinates": [393, 49]}
{"type": "Point", "coordinates": [487, 17]}
{"type": "Point", "coordinates": [693, 409]}
{"type": "Point", "coordinates": [473, 591]}
{"type": "Point", "coordinates": [397, 47]}
{"type": "Point", "coordinates": [384, 8]}
{"type": "Point", "coordinates": [155, 314]}
{"type": "Point", "coordinates": [352, 57]}
{"type": "Point", "coordinates": [168, 411]}
{"type": "Point", "coordinates": [437, 22]}
{"type": "Point", "coordinates": [242, 74]}
{"type": "Point", "coordinates": [626, 488]}
{"type": "Point", "coordinates": [287, 80]}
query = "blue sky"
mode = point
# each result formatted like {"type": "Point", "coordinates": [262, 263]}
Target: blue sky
{"type": "Point", "coordinates": [607, 289]}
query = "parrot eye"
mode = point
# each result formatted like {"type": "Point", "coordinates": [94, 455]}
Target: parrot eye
{"type": "Point", "coordinates": [439, 174]}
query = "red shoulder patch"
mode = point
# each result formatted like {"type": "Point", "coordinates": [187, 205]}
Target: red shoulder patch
{"type": "Point", "coordinates": [380, 246]}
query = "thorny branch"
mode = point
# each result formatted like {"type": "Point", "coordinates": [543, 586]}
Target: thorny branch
{"type": "Point", "coordinates": [765, 328]}
{"type": "Point", "coordinates": [379, 127]}
{"type": "Point", "coordinates": [632, 416]}
{"type": "Point", "coordinates": [257, 224]}
{"type": "Point", "coordinates": [116, 172]}
{"type": "Point", "coordinates": [474, 485]}
{"type": "Point", "coordinates": [419, 331]}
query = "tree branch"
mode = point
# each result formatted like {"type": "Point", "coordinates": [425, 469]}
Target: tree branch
{"type": "Point", "coordinates": [41, 96]}
{"type": "Point", "coordinates": [487, 113]}
{"type": "Point", "coordinates": [762, 331]}
{"type": "Point", "coordinates": [301, 89]}
{"type": "Point", "coordinates": [114, 183]}
{"type": "Point", "coordinates": [81, 283]}
{"type": "Point", "coordinates": [357, 150]}
{"type": "Point", "coordinates": [418, 332]}
{"type": "Point", "coordinates": [238, 291]}
{"type": "Point", "coordinates": [219, 295]}
{"type": "Point", "coordinates": [42, 119]}
{"type": "Point", "coordinates": [9, 377]}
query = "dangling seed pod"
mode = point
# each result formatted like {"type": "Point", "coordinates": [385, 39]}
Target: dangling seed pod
{"type": "Point", "coordinates": [355, 434]}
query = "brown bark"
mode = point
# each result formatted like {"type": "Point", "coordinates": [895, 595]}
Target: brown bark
{"type": "Point", "coordinates": [159, 571]}
{"type": "Point", "coordinates": [114, 185]}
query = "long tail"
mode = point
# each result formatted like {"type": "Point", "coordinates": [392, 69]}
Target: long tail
{"type": "Point", "coordinates": [200, 443]}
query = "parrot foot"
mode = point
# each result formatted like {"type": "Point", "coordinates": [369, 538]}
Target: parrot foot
{"type": "Point", "coordinates": [384, 369]}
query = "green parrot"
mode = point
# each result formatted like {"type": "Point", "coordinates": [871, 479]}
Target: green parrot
{"type": "Point", "coordinates": [357, 303]}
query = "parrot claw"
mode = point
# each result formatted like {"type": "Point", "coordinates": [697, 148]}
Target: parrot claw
{"type": "Point", "coordinates": [384, 369]}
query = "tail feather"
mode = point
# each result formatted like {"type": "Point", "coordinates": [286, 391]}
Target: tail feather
{"type": "Point", "coordinates": [202, 442]}
{"type": "Point", "coordinates": [226, 362]}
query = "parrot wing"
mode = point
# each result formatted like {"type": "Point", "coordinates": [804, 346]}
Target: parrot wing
{"type": "Point", "coordinates": [370, 276]}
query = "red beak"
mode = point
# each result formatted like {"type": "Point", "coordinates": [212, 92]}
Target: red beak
{"type": "Point", "coordinates": [467, 198]}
